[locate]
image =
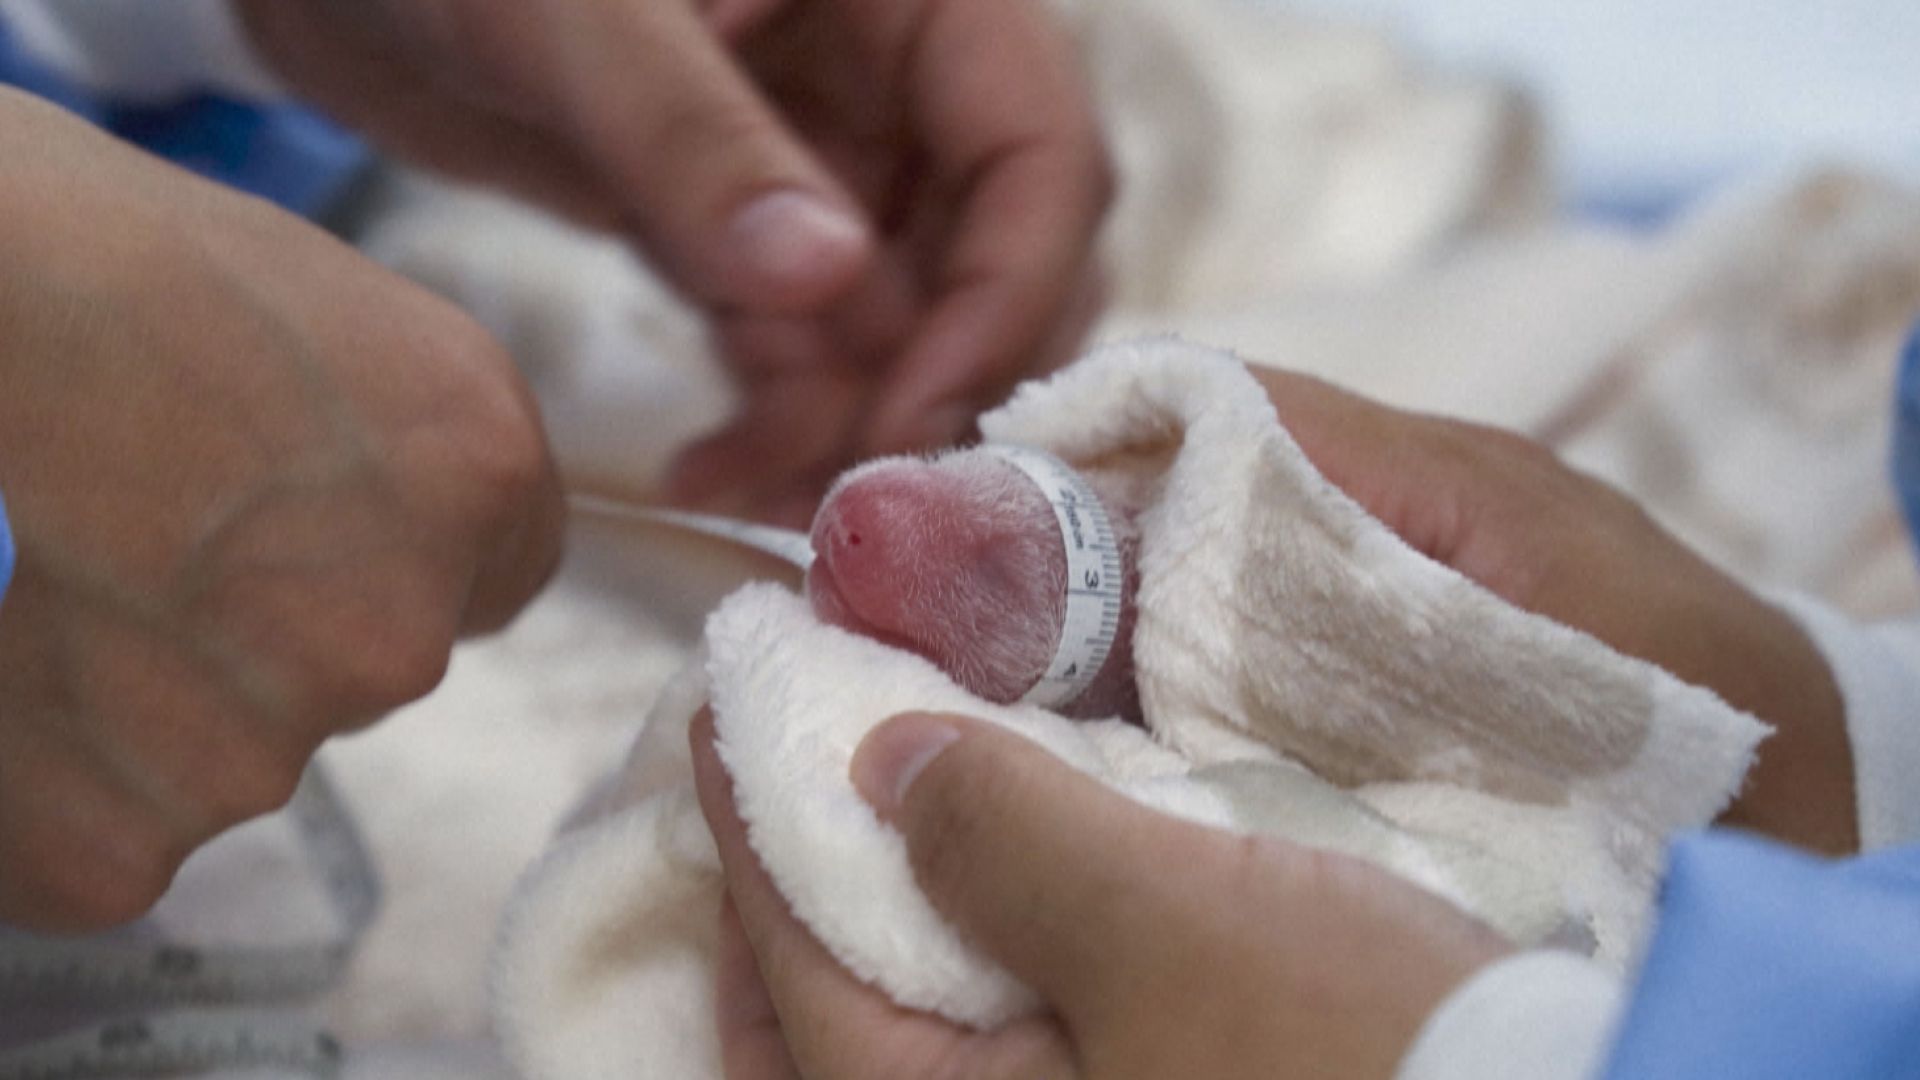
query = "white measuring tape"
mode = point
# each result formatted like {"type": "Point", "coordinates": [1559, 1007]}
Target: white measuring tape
{"type": "Point", "coordinates": [185, 1041]}
{"type": "Point", "coordinates": [176, 1007]}
{"type": "Point", "coordinates": [786, 544]}
{"type": "Point", "coordinates": [1094, 575]}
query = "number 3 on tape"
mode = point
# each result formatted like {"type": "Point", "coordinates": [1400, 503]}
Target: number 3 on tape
{"type": "Point", "coordinates": [1092, 619]}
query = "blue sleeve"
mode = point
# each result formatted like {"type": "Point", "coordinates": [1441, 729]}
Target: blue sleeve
{"type": "Point", "coordinates": [1768, 963]}
{"type": "Point", "coordinates": [6, 552]}
{"type": "Point", "coordinates": [281, 152]}
{"type": "Point", "coordinates": [1906, 433]}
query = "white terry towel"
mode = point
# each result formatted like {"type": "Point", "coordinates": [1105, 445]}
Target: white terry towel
{"type": "Point", "coordinates": [1303, 673]}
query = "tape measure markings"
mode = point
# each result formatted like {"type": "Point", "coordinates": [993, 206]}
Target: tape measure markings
{"type": "Point", "coordinates": [788, 545]}
{"type": "Point", "coordinates": [177, 1042]}
{"type": "Point", "coordinates": [162, 977]}
{"type": "Point", "coordinates": [1094, 581]}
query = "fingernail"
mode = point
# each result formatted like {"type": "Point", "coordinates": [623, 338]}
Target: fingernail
{"type": "Point", "coordinates": [794, 237]}
{"type": "Point", "coordinates": [893, 756]}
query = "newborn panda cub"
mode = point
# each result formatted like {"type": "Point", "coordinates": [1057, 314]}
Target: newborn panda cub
{"type": "Point", "coordinates": [960, 559]}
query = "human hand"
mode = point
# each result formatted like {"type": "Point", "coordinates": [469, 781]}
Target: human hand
{"type": "Point", "coordinates": [258, 484]}
{"type": "Point", "coordinates": [886, 207]}
{"type": "Point", "coordinates": [1256, 957]}
{"type": "Point", "coordinates": [1505, 512]}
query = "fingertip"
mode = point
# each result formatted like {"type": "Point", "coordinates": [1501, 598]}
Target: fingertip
{"type": "Point", "coordinates": [894, 754]}
{"type": "Point", "coordinates": [715, 183]}
{"type": "Point", "coordinates": [1015, 848]}
{"type": "Point", "coordinates": [967, 356]}
{"type": "Point", "coordinates": [970, 359]}
{"type": "Point", "coordinates": [795, 251]}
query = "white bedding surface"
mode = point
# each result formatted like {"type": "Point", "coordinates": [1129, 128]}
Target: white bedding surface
{"type": "Point", "coordinates": [1651, 104]}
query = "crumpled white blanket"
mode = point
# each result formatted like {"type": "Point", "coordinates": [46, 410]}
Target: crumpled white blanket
{"type": "Point", "coordinates": [1303, 673]}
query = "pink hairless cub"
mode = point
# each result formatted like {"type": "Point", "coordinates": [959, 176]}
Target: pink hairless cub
{"type": "Point", "coordinates": [961, 559]}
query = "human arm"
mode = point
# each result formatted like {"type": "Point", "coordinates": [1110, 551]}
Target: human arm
{"type": "Point", "coordinates": [258, 485]}
{"type": "Point", "coordinates": [887, 209]}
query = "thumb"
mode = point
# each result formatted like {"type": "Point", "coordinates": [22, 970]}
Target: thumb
{"type": "Point", "coordinates": [1066, 883]}
{"type": "Point", "coordinates": [716, 183]}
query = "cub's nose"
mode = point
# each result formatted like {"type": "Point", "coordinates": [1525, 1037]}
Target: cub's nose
{"type": "Point", "coordinates": [870, 537]}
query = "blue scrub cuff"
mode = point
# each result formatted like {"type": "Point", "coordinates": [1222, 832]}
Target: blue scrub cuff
{"type": "Point", "coordinates": [1767, 964]}
{"type": "Point", "coordinates": [6, 551]}
{"type": "Point", "coordinates": [1906, 433]}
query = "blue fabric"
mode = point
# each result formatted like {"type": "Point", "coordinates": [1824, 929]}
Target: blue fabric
{"type": "Point", "coordinates": [1906, 434]}
{"type": "Point", "coordinates": [285, 153]}
{"type": "Point", "coordinates": [1769, 963]}
{"type": "Point", "coordinates": [6, 552]}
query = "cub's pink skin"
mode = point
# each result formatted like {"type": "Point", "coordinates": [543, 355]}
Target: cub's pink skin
{"type": "Point", "coordinates": [958, 559]}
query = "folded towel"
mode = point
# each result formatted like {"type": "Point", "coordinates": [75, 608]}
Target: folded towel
{"type": "Point", "coordinates": [1302, 672]}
